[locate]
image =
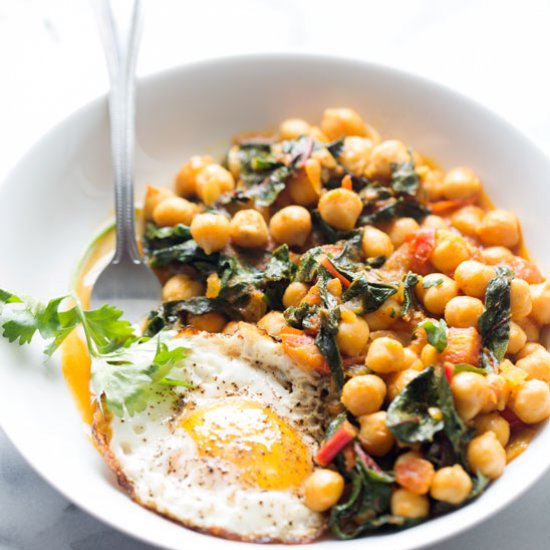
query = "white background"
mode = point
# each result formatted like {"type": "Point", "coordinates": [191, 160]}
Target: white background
{"type": "Point", "coordinates": [494, 51]}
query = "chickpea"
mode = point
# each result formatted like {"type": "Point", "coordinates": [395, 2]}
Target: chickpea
{"type": "Point", "coordinates": [248, 229]}
{"type": "Point", "coordinates": [210, 231]}
{"type": "Point", "coordinates": [429, 355]}
{"type": "Point", "coordinates": [414, 473]}
{"type": "Point", "coordinates": [153, 196]}
{"type": "Point", "coordinates": [499, 392]}
{"type": "Point", "coordinates": [212, 181]}
{"type": "Point", "coordinates": [411, 359]}
{"type": "Point", "coordinates": [435, 298]}
{"type": "Point", "coordinates": [374, 433]}
{"type": "Point", "coordinates": [530, 328]}
{"type": "Point", "coordinates": [451, 249]}
{"type": "Point", "coordinates": [473, 278]}
{"type": "Point", "coordinates": [293, 128]}
{"type": "Point", "coordinates": [531, 401]}
{"type": "Point", "coordinates": [385, 316]}
{"type": "Point", "coordinates": [499, 227]}
{"type": "Point", "coordinates": [517, 339]}
{"type": "Point", "coordinates": [486, 455]}
{"type": "Point", "coordinates": [467, 219]}
{"type": "Point", "coordinates": [400, 229]}
{"type": "Point", "coordinates": [493, 422]}
{"type": "Point", "coordinates": [528, 349]}
{"type": "Point", "coordinates": [186, 180]}
{"type": "Point", "coordinates": [291, 225]}
{"type": "Point", "coordinates": [272, 323]}
{"type": "Point", "coordinates": [434, 222]}
{"type": "Point", "coordinates": [398, 380]}
{"type": "Point", "coordinates": [470, 392]}
{"type": "Point", "coordinates": [208, 322]}
{"type": "Point", "coordinates": [304, 187]}
{"type": "Point", "coordinates": [334, 286]}
{"type": "Point", "coordinates": [181, 287]}
{"type": "Point", "coordinates": [363, 394]}
{"type": "Point", "coordinates": [356, 153]}
{"type": "Point", "coordinates": [451, 484]}
{"type": "Point", "coordinates": [295, 292]}
{"type": "Point", "coordinates": [384, 156]}
{"type": "Point", "coordinates": [494, 255]}
{"type": "Point", "coordinates": [463, 311]}
{"type": "Point", "coordinates": [353, 334]}
{"type": "Point", "coordinates": [432, 184]}
{"type": "Point", "coordinates": [461, 183]}
{"type": "Point", "coordinates": [376, 242]}
{"type": "Point", "coordinates": [540, 298]}
{"type": "Point", "coordinates": [342, 122]}
{"type": "Point", "coordinates": [408, 505]}
{"type": "Point", "coordinates": [385, 355]}
{"type": "Point", "coordinates": [520, 299]}
{"type": "Point", "coordinates": [536, 365]}
{"type": "Point", "coordinates": [174, 210]}
{"type": "Point", "coordinates": [323, 489]}
{"type": "Point", "coordinates": [340, 208]}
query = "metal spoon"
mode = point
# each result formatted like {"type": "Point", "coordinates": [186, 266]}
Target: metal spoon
{"type": "Point", "coordinates": [127, 282]}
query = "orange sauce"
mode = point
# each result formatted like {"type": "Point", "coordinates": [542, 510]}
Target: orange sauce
{"type": "Point", "coordinates": [75, 359]}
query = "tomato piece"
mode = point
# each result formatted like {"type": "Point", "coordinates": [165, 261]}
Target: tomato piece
{"type": "Point", "coordinates": [414, 474]}
{"type": "Point", "coordinates": [347, 183]}
{"type": "Point", "coordinates": [444, 207]}
{"type": "Point", "coordinates": [524, 269]}
{"type": "Point", "coordinates": [463, 346]}
{"type": "Point", "coordinates": [421, 245]}
{"type": "Point", "coordinates": [345, 434]}
{"type": "Point", "coordinates": [301, 348]}
{"type": "Point", "coordinates": [449, 371]}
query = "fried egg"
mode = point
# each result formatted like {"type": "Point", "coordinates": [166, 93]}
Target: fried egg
{"type": "Point", "coordinates": [228, 457]}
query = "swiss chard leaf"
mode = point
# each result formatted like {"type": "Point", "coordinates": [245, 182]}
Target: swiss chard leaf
{"type": "Point", "coordinates": [436, 332]}
{"type": "Point", "coordinates": [325, 340]}
{"type": "Point", "coordinates": [188, 252]}
{"type": "Point", "coordinates": [424, 408]}
{"type": "Point", "coordinates": [364, 297]}
{"type": "Point", "coordinates": [494, 323]}
{"type": "Point", "coordinates": [301, 316]}
{"type": "Point", "coordinates": [404, 178]}
{"type": "Point", "coordinates": [394, 208]}
{"type": "Point", "coordinates": [278, 273]}
{"type": "Point", "coordinates": [162, 237]}
{"type": "Point", "coordinates": [367, 505]}
{"type": "Point", "coordinates": [309, 265]}
{"type": "Point", "coordinates": [410, 301]}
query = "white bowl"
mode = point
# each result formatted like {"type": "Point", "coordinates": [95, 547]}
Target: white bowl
{"type": "Point", "coordinates": [62, 190]}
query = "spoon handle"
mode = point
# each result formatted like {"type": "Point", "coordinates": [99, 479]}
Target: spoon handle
{"type": "Point", "coordinates": [120, 30]}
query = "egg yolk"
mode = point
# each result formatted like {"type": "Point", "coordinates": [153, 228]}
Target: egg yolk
{"type": "Point", "coordinates": [267, 451]}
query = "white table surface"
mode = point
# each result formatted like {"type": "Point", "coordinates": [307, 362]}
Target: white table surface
{"type": "Point", "coordinates": [495, 51]}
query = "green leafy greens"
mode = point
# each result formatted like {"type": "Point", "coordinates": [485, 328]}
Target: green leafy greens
{"type": "Point", "coordinates": [119, 372]}
{"type": "Point", "coordinates": [494, 323]}
{"type": "Point", "coordinates": [436, 331]}
{"type": "Point", "coordinates": [424, 408]}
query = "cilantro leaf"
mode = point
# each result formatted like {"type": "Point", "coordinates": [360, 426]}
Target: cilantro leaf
{"type": "Point", "coordinates": [129, 377]}
{"type": "Point", "coordinates": [437, 333]}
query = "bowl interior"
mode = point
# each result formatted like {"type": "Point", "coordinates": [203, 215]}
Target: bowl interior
{"type": "Point", "coordinates": [62, 190]}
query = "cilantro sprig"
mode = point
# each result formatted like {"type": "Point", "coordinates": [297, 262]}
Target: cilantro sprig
{"type": "Point", "coordinates": [126, 369]}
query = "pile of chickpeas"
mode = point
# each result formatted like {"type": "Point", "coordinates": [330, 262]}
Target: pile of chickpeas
{"type": "Point", "coordinates": [379, 348]}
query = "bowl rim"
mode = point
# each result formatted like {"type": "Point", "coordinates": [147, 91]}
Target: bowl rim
{"type": "Point", "coordinates": [274, 58]}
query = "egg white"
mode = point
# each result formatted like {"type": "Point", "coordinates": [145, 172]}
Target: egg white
{"type": "Point", "coordinates": [158, 461]}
